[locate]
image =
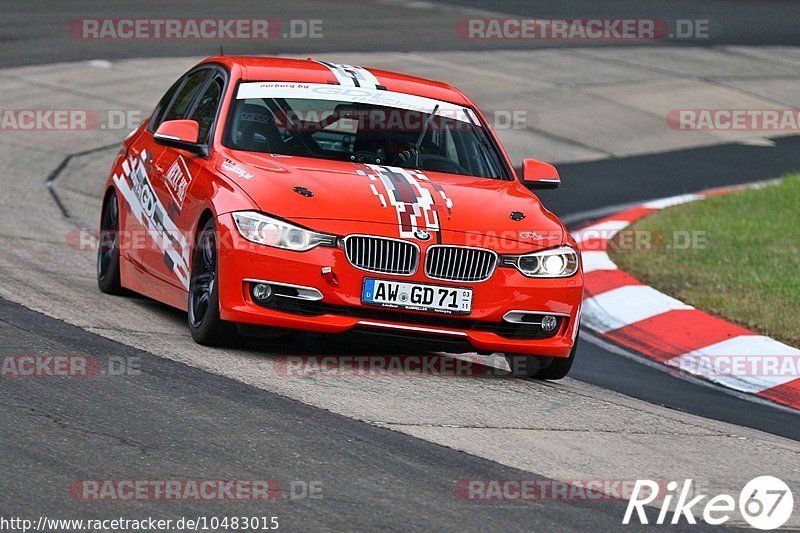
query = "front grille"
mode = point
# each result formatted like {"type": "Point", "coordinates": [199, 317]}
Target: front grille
{"type": "Point", "coordinates": [384, 256]}
{"type": "Point", "coordinates": [455, 263]}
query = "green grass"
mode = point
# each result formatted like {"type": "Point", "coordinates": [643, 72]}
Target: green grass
{"type": "Point", "coordinates": [747, 270]}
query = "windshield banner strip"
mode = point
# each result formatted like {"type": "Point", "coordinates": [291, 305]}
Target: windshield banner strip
{"type": "Point", "coordinates": [360, 95]}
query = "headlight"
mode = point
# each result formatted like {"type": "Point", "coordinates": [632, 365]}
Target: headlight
{"type": "Point", "coordinates": [269, 231]}
{"type": "Point", "coordinates": [555, 263]}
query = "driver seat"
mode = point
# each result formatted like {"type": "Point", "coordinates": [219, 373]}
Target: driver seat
{"type": "Point", "coordinates": [254, 129]}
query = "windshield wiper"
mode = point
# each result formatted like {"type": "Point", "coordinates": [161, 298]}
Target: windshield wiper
{"type": "Point", "coordinates": [477, 133]}
{"type": "Point", "coordinates": [418, 145]}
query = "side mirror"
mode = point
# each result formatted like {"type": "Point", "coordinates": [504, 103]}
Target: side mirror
{"type": "Point", "coordinates": [539, 175]}
{"type": "Point", "coordinates": [181, 134]}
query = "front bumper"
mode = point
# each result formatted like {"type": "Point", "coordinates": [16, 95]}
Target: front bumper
{"type": "Point", "coordinates": [341, 310]}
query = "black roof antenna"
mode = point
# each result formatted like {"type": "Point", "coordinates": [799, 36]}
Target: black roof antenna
{"type": "Point", "coordinates": [220, 51]}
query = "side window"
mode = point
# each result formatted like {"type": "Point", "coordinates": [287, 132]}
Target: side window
{"type": "Point", "coordinates": [162, 105]}
{"type": "Point", "coordinates": [206, 109]}
{"type": "Point", "coordinates": [183, 100]}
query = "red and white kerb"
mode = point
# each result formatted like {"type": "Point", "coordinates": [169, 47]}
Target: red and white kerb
{"type": "Point", "coordinates": [622, 309]}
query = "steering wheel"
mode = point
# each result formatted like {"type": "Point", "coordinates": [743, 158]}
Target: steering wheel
{"type": "Point", "coordinates": [435, 162]}
{"type": "Point", "coordinates": [368, 156]}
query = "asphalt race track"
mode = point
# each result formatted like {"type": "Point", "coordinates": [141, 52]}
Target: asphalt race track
{"type": "Point", "coordinates": [388, 452]}
{"type": "Point", "coordinates": [193, 420]}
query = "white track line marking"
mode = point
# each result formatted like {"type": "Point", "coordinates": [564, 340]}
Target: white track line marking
{"type": "Point", "coordinates": [602, 230]}
{"type": "Point", "coordinates": [597, 261]}
{"type": "Point", "coordinates": [673, 200]}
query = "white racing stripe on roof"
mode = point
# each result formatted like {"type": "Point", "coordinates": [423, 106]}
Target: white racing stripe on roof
{"type": "Point", "coordinates": [748, 363]}
{"type": "Point", "coordinates": [626, 305]}
{"type": "Point", "coordinates": [352, 75]}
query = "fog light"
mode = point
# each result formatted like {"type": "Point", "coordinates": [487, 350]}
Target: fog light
{"type": "Point", "coordinates": [262, 291]}
{"type": "Point", "coordinates": [549, 323]}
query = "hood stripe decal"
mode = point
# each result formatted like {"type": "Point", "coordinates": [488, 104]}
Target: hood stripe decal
{"type": "Point", "coordinates": [416, 200]}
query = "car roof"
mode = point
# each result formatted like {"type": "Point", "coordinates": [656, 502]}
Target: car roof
{"type": "Point", "coordinates": [257, 68]}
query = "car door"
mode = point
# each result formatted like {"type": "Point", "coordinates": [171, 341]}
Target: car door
{"type": "Point", "coordinates": [176, 176]}
{"type": "Point", "coordinates": [136, 183]}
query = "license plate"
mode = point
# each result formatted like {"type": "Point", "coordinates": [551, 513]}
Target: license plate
{"type": "Point", "coordinates": [417, 296]}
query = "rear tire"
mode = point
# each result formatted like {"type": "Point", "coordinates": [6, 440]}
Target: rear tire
{"type": "Point", "coordinates": [108, 277]}
{"type": "Point", "coordinates": [205, 324]}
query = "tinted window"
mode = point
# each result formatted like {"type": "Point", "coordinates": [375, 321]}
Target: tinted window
{"type": "Point", "coordinates": [162, 105]}
{"type": "Point", "coordinates": [183, 100]}
{"type": "Point", "coordinates": [206, 110]}
{"type": "Point", "coordinates": [363, 133]}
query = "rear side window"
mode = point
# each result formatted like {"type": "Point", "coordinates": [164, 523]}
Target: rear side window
{"type": "Point", "coordinates": [185, 96]}
{"type": "Point", "coordinates": [206, 109]}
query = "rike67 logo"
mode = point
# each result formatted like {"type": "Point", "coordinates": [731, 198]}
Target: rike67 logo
{"type": "Point", "coordinates": [765, 503]}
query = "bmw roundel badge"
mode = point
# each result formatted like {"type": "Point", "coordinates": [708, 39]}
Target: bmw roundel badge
{"type": "Point", "coordinates": [422, 235]}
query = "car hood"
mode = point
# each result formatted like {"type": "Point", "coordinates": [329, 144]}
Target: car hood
{"type": "Point", "coordinates": [340, 197]}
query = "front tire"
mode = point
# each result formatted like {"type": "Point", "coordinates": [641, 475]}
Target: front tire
{"type": "Point", "coordinates": [534, 367]}
{"type": "Point", "coordinates": [205, 324]}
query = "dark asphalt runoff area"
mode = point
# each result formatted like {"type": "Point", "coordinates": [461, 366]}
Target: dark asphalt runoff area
{"type": "Point", "coordinates": [166, 420]}
{"type": "Point", "coordinates": [610, 182]}
{"type": "Point", "coordinates": [44, 31]}
{"type": "Point", "coordinates": [742, 22]}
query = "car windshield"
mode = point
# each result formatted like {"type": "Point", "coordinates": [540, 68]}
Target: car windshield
{"type": "Point", "coordinates": [361, 125]}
